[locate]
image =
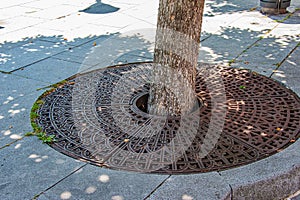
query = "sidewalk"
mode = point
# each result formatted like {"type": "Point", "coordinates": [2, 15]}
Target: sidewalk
{"type": "Point", "coordinates": [43, 42]}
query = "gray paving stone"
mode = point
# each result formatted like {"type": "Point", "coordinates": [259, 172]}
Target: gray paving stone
{"type": "Point", "coordinates": [18, 23]}
{"type": "Point", "coordinates": [15, 11]}
{"type": "Point", "coordinates": [291, 82]}
{"type": "Point", "coordinates": [42, 197]}
{"type": "Point", "coordinates": [70, 56]}
{"type": "Point", "coordinates": [12, 87]}
{"type": "Point", "coordinates": [219, 7]}
{"type": "Point", "coordinates": [6, 4]}
{"type": "Point", "coordinates": [67, 41]}
{"type": "Point", "coordinates": [288, 72]}
{"type": "Point", "coordinates": [28, 53]}
{"type": "Point", "coordinates": [14, 117]}
{"type": "Point", "coordinates": [98, 183]}
{"type": "Point", "coordinates": [29, 167]}
{"type": "Point", "coordinates": [54, 12]}
{"type": "Point", "coordinates": [255, 21]}
{"type": "Point", "coordinates": [7, 45]}
{"type": "Point", "coordinates": [272, 178]}
{"type": "Point", "coordinates": [208, 186]}
{"type": "Point", "coordinates": [266, 54]}
{"type": "Point", "coordinates": [134, 56]}
{"type": "Point", "coordinates": [226, 44]}
{"type": "Point", "coordinates": [105, 52]}
{"type": "Point", "coordinates": [82, 49]}
{"type": "Point", "coordinates": [50, 70]}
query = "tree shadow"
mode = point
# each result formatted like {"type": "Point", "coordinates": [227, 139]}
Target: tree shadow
{"type": "Point", "coordinates": [217, 7]}
{"type": "Point", "coordinates": [100, 8]}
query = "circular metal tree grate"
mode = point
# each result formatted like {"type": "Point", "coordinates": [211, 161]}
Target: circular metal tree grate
{"type": "Point", "coordinates": [99, 117]}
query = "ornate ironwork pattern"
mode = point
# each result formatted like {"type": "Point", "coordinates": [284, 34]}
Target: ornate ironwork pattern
{"type": "Point", "coordinates": [243, 117]}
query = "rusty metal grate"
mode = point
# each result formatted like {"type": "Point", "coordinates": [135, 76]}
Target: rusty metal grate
{"type": "Point", "coordinates": [244, 117]}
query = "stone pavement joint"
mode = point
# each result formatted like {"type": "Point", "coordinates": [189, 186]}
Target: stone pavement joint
{"type": "Point", "coordinates": [288, 55]}
{"type": "Point", "coordinates": [75, 171]}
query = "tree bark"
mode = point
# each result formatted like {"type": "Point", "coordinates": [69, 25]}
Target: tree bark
{"type": "Point", "coordinates": [172, 87]}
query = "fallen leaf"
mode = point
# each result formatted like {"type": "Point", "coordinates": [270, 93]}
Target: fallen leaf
{"type": "Point", "coordinates": [94, 44]}
{"type": "Point", "coordinates": [126, 140]}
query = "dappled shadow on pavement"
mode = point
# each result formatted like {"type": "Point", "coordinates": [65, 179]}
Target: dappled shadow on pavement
{"type": "Point", "coordinates": [217, 7]}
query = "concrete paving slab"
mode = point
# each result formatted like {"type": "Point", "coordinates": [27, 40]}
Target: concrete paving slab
{"type": "Point", "coordinates": [105, 53]}
{"type": "Point", "coordinates": [10, 3]}
{"type": "Point", "coordinates": [49, 4]}
{"type": "Point", "coordinates": [54, 12]}
{"type": "Point", "coordinates": [275, 177]}
{"type": "Point", "coordinates": [15, 11]}
{"type": "Point", "coordinates": [64, 23]}
{"type": "Point", "coordinates": [286, 29]}
{"type": "Point", "coordinates": [255, 21]}
{"type": "Point", "coordinates": [288, 72]}
{"type": "Point", "coordinates": [70, 57]}
{"type": "Point", "coordinates": [62, 38]}
{"type": "Point", "coordinates": [50, 70]}
{"type": "Point", "coordinates": [226, 44]}
{"type": "Point", "coordinates": [220, 21]}
{"type": "Point", "coordinates": [127, 58]}
{"type": "Point", "coordinates": [14, 117]}
{"type": "Point", "coordinates": [98, 183]}
{"type": "Point", "coordinates": [29, 167]}
{"type": "Point", "coordinates": [120, 20]}
{"type": "Point", "coordinates": [18, 23]}
{"type": "Point", "coordinates": [89, 30]}
{"type": "Point", "coordinates": [79, 54]}
{"type": "Point", "coordinates": [82, 4]}
{"type": "Point", "coordinates": [208, 186]}
{"type": "Point", "coordinates": [13, 87]}
{"type": "Point", "coordinates": [145, 12]}
{"type": "Point", "coordinates": [141, 25]}
{"type": "Point", "coordinates": [28, 53]}
{"type": "Point", "coordinates": [219, 7]}
{"type": "Point", "coordinates": [266, 54]}
{"type": "Point", "coordinates": [9, 42]}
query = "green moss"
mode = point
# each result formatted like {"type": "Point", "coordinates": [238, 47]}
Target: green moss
{"type": "Point", "coordinates": [46, 138]}
{"type": "Point", "coordinates": [34, 115]}
{"type": "Point", "coordinates": [231, 61]}
{"type": "Point", "coordinates": [56, 85]}
{"type": "Point", "coordinates": [284, 19]}
{"type": "Point", "coordinates": [28, 134]}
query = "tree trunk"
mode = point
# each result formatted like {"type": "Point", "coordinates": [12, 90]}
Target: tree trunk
{"type": "Point", "coordinates": [172, 87]}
